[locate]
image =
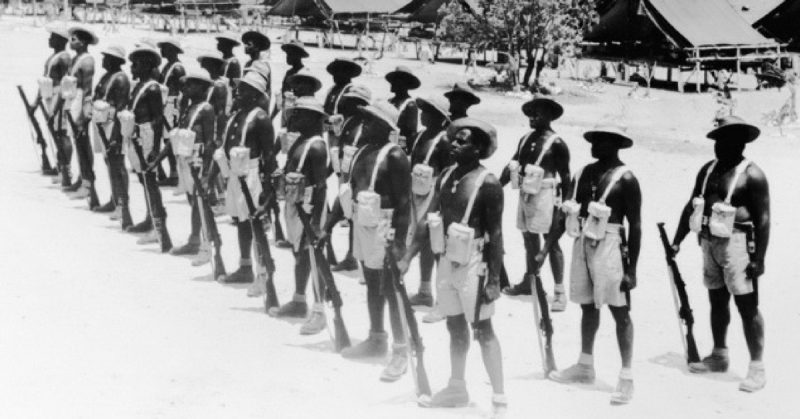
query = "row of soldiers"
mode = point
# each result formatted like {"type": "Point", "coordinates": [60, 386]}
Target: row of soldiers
{"type": "Point", "coordinates": [410, 183]}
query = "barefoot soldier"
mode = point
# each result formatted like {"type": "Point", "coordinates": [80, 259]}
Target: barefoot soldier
{"type": "Point", "coordinates": [536, 169]}
{"type": "Point", "coordinates": [344, 145]}
{"type": "Point", "coordinates": [305, 173]}
{"type": "Point", "coordinates": [295, 52]}
{"type": "Point", "coordinates": [468, 205]}
{"type": "Point", "coordinates": [730, 211]}
{"type": "Point", "coordinates": [195, 130]}
{"type": "Point", "coordinates": [249, 140]}
{"type": "Point", "coordinates": [111, 95]}
{"type": "Point", "coordinates": [430, 155]}
{"type": "Point", "coordinates": [55, 68]}
{"type": "Point", "coordinates": [605, 194]}
{"type": "Point", "coordinates": [142, 127]}
{"type": "Point", "coordinates": [379, 190]}
{"type": "Point", "coordinates": [402, 80]}
{"type": "Point", "coordinates": [231, 69]}
{"type": "Point", "coordinates": [461, 98]}
{"type": "Point", "coordinates": [170, 77]}
{"type": "Point", "coordinates": [79, 103]}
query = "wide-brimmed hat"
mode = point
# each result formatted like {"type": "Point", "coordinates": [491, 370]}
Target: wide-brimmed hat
{"type": "Point", "coordinates": [115, 51]}
{"type": "Point", "coordinates": [382, 111]}
{"type": "Point", "coordinates": [262, 41]}
{"type": "Point", "coordinates": [346, 65]}
{"type": "Point", "coordinates": [404, 76]}
{"type": "Point", "coordinates": [436, 103]}
{"type": "Point", "coordinates": [144, 51]}
{"type": "Point", "coordinates": [609, 133]}
{"type": "Point", "coordinates": [553, 108]}
{"type": "Point", "coordinates": [59, 30]}
{"type": "Point", "coordinates": [463, 90]}
{"type": "Point", "coordinates": [305, 76]}
{"type": "Point", "coordinates": [295, 47]}
{"type": "Point", "coordinates": [173, 42]}
{"type": "Point", "coordinates": [230, 38]}
{"type": "Point", "coordinates": [198, 75]}
{"type": "Point", "coordinates": [93, 38]}
{"type": "Point", "coordinates": [254, 80]}
{"type": "Point", "coordinates": [485, 129]}
{"type": "Point", "coordinates": [308, 103]}
{"type": "Point", "coordinates": [358, 92]}
{"type": "Point", "coordinates": [733, 124]}
{"type": "Point", "coordinates": [211, 56]}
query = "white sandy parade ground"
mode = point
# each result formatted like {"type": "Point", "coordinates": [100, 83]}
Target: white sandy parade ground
{"type": "Point", "coordinates": [92, 325]}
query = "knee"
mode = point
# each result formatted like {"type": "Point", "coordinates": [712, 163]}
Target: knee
{"type": "Point", "coordinates": [622, 316]}
{"type": "Point", "coordinates": [747, 305]}
{"type": "Point", "coordinates": [590, 311]}
{"type": "Point", "coordinates": [719, 298]}
{"type": "Point", "coordinates": [457, 326]}
{"type": "Point", "coordinates": [484, 332]}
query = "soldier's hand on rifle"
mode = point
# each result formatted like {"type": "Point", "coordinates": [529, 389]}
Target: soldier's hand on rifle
{"type": "Point", "coordinates": [402, 266]}
{"type": "Point", "coordinates": [675, 248]}
{"type": "Point", "coordinates": [539, 259]}
{"type": "Point", "coordinates": [755, 269]}
{"type": "Point", "coordinates": [260, 212]}
{"type": "Point", "coordinates": [322, 239]}
{"type": "Point", "coordinates": [491, 291]}
{"type": "Point", "coordinates": [152, 155]}
{"type": "Point", "coordinates": [628, 282]}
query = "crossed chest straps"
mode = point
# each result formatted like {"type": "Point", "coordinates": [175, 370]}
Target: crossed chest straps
{"type": "Point", "coordinates": [460, 243]}
{"type": "Point", "coordinates": [532, 174]}
{"type": "Point", "coordinates": [422, 174]}
{"type": "Point", "coordinates": [596, 223]}
{"type": "Point", "coordinates": [721, 222]}
{"type": "Point", "coordinates": [339, 97]}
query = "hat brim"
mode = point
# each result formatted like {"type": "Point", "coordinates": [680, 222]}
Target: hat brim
{"type": "Point", "coordinates": [91, 34]}
{"type": "Point", "coordinates": [355, 97]}
{"type": "Point", "coordinates": [622, 141]}
{"type": "Point", "coordinates": [235, 42]}
{"type": "Point", "coordinates": [319, 110]}
{"type": "Point", "coordinates": [258, 38]}
{"type": "Point", "coordinates": [60, 32]}
{"type": "Point", "coordinates": [289, 48]}
{"type": "Point", "coordinates": [409, 80]}
{"type": "Point", "coordinates": [472, 98]}
{"type": "Point", "coordinates": [720, 132]}
{"type": "Point", "coordinates": [114, 55]}
{"type": "Point", "coordinates": [423, 104]}
{"type": "Point", "coordinates": [187, 78]}
{"type": "Point", "coordinates": [554, 108]}
{"type": "Point", "coordinates": [171, 44]}
{"type": "Point", "coordinates": [217, 60]}
{"type": "Point", "coordinates": [372, 112]}
{"type": "Point", "coordinates": [140, 53]}
{"type": "Point", "coordinates": [300, 78]}
{"type": "Point", "coordinates": [353, 69]}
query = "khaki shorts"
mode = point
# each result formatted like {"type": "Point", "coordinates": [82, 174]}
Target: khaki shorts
{"type": "Point", "coordinates": [596, 271]}
{"type": "Point", "coordinates": [368, 246]}
{"type": "Point", "coordinates": [185, 179]}
{"type": "Point", "coordinates": [535, 212]}
{"type": "Point", "coordinates": [725, 263]}
{"type": "Point", "coordinates": [235, 204]}
{"type": "Point", "coordinates": [457, 288]}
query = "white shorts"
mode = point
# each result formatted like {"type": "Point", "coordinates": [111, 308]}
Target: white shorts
{"type": "Point", "coordinates": [457, 288]}
{"type": "Point", "coordinates": [235, 204]}
{"type": "Point", "coordinates": [368, 245]}
{"type": "Point", "coordinates": [596, 272]}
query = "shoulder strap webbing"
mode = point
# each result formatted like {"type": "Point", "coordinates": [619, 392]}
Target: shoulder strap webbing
{"type": "Point", "coordinates": [302, 161]}
{"type": "Point", "coordinates": [477, 187]}
{"type": "Point", "coordinates": [615, 177]}
{"type": "Point", "coordinates": [545, 147]}
{"type": "Point", "coordinates": [433, 147]}
{"type": "Point", "coordinates": [141, 92]}
{"type": "Point", "coordinates": [381, 157]}
{"type": "Point", "coordinates": [739, 170]}
{"type": "Point", "coordinates": [197, 111]}
{"type": "Point", "coordinates": [250, 117]}
{"type": "Point", "coordinates": [709, 169]}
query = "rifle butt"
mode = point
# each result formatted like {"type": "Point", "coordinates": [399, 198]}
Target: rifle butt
{"type": "Point", "coordinates": [423, 385]}
{"type": "Point", "coordinates": [331, 255]}
{"type": "Point", "coordinates": [271, 297]}
{"type": "Point", "coordinates": [219, 266]}
{"type": "Point", "coordinates": [691, 347]}
{"type": "Point", "coordinates": [341, 337]}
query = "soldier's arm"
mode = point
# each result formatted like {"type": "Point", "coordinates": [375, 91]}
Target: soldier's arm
{"type": "Point", "coordinates": [759, 207]}
{"type": "Point", "coordinates": [632, 196]}
{"type": "Point", "coordinates": [155, 108]}
{"type": "Point", "coordinates": [177, 73]}
{"type": "Point", "coordinates": [441, 156]}
{"type": "Point", "coordinates": [119, 92]}
{"type": "Point", "coordinates": [316, 172]}
{"type": "Point", "coordinates": [408, 122]}
{"type": "Point", "coordinates": [399, 178]}
{"type": "Point", "coordinates": [683, 224]}
{"type": "Point", "coordinates": [421, 234]}
{"type": "Point", "coordinates": [505, 176]}
{"type": "Point", "coordinates": [234, 71]}
{"type": "Point", "coordinates": [491, 200]}
{"type": "Point", "coordinates": [561, 157]}
{"type": "Point", "coordinates": [204, 128]}
{"type": "Point", "coordinates": [86, 76]}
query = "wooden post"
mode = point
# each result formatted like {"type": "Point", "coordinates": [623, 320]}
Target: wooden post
{"type": "Point", "coordinates": [697, 71]}
{"type": "Point", "coordinates": [738, 69]}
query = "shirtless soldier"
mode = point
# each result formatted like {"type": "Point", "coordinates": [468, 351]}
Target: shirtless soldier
{"type": "Point", "coordinates": [147, 107]}
{"type": "Point", "coordinates": [306, 167]}
{"type": "Point", "coordinates": [249, 127]}
{"type": "Point", "coordinates": [605, 194]}
{"type": "Point", "coordinates": [343, 71]}
{"type": "Point", "coordinates": [56, 67]}
{"type": "Point", "coordinates": [171, 78]}
{"type": "Point", "coordinates": [379, 184]}
{"type": "Point", "coordinates": [430, 155]}
{"type": "Point", "coordinates": [82, 69]}
{"type": "Point", "coordinates": [730, 211]}
{"type": "Point", "coordinates": [197, 117]}
{"type": "Point", "coordinates": [468, 203]}
{"type": "Point", "coordinates": [402, 80]}
{"type": "Point", "coordinates": [232, 70]}
{"type": "Point", "coordinates": [542, 158]}
{"type": "Point", "coordinates": [343, 148]}
{"type": "Point", "coordinates": [111, 96]}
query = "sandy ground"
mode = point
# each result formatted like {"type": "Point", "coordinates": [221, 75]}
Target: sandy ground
{"type": "Point", "coordinates": [92, 325]}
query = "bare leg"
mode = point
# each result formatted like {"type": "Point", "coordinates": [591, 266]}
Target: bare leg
{"type": "Point", "coordinates": [753, 324]}
{"type": "Point", "coordinates": [622, 317]}
{"type": "Point", "coordinates": [492, 355]}
{"type": "Point", "coordinates": [720, 315]}
{"type": "Point", "coordinates": [590, 322]}
{"type": "Point", "coordinates": [459, 345]}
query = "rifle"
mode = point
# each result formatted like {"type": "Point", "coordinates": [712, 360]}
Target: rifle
{"type": "Point", "coordinates": [680, 298]}
{"type": "Point", "coordinates": [623, 251]}
{"type": "Point", "coordinates": [209, 225]}
{"type": "Point", "coordinates": [31, 112]}
{"type": "Point", "coordinates": [341, 339]}
{"type": "Point", "coordinates": [409, 323]}
{"type": "Point", "coordinates": [76, 130]}
{"type": "Point", "coordinates": [262, 247]}
{"type": "Point", "coordinates": [143, 164]}
{"type": "Point", "coordinates": [541, 315]}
